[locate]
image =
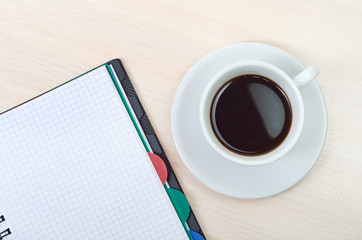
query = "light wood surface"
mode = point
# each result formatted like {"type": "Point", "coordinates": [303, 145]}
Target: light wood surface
{"type": "Point", "coordinates": [45, 43]}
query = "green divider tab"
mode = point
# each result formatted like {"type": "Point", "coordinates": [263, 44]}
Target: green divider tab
{"type": "Point", "coordinates": [180, 203]}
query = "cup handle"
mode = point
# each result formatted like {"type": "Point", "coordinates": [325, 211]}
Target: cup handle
{"type": "Point", "coordinates": [304, 77]}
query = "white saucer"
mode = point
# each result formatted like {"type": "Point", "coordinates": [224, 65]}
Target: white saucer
{"type": "Point", "coordinates": [230, 178]}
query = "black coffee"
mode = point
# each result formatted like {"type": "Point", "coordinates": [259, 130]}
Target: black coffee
{"type": "Point", "coordinates": [251, 115]}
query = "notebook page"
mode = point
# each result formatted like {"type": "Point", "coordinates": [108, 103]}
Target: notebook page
{"type": "Point", "coordinates": [73, 167]}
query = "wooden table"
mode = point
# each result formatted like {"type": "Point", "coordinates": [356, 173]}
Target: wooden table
{"type": "Point", "coordinates": [45, 43]}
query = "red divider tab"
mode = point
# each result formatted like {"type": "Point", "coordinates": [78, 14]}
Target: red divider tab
{"type": "Point", "coordinates": [160, 167]}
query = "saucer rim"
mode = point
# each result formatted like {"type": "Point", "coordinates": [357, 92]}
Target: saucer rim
{"type": "Point", "coordinates": [177, 99]}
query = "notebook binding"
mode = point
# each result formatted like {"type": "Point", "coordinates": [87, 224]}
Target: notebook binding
{"type": "Point", "coordinates": [193, 225]}
{"type": "Point", "coordinates": [5, 233]}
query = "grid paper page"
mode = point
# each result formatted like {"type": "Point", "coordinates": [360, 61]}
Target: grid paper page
{"type": "Point", "coordinates": [73, 167]}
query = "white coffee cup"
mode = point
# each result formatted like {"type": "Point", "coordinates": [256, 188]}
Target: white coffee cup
{"type": "Point", "coordinates": [289, 85]}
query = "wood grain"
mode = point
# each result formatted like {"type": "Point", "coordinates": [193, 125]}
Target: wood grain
{"type": "Point", "coordinates": [45, 43]}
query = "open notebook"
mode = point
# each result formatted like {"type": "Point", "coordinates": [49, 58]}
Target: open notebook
{"type": "Point", "coordinates": [75, 164]}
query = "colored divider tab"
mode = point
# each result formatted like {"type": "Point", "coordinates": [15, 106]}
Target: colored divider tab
{"type": "Point", "coordinates": [196, 236]}
{"type": "Point", "coordinates": [160, 167]}
{"type": "Point", "coordinates": [180, 203]}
